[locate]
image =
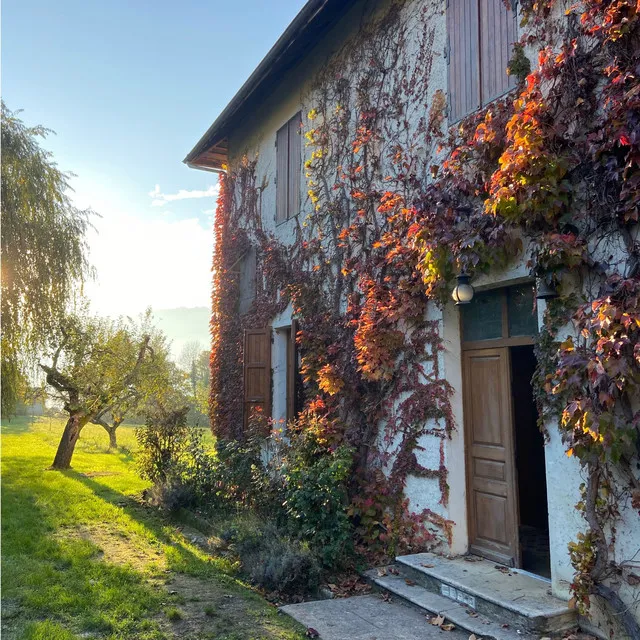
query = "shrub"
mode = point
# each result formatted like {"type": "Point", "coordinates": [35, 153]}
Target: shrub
{"type": "Point", "coordinates": [315, 496]}
{"type": "Point", "coordinates": [164, 443]}
{"type": "Point", "coordinates": [301, 488]}
{"type": "Point", "coordinates": [300, 491]}
{"type": "Point", "coordinates": [171, 495]}
{"type": "Point", "coordinates": [172, 455]}
{"type": "Point", "coordinates": [273, 561]}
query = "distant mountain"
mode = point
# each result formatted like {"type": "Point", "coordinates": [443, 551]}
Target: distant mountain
{"type": "Point", "coordinates": [184, 325]}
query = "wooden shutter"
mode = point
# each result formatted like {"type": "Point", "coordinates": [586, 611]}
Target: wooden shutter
{"type": "Point", "coordinates": [463, 49]}
{"type": "Point", "coordinates": [498, 32]}
{"type": "Point", "coordinates": [257, 372]}
{"type": "Point", "coordinates": [282, 173]}
{"type": "Point", "coordinates": [295, 165]}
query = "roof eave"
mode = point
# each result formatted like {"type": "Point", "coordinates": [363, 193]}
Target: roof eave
{"type": "Point", "coordinates": [216, 132]}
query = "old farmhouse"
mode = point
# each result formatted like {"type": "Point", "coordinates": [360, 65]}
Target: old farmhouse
{"type": "Point", "coordinates": [426, 247]}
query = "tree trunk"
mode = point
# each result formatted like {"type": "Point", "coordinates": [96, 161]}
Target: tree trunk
{"type": "Point", "coordinates": [68, 441]}
{"type": "Point", "coordinates": [111, 430]}
{"type": "Point", "coordinates": [113, 443]}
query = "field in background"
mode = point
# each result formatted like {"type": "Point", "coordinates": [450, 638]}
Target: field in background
{"type": "Point", "coordinates": [83, 557]}
{"type": "Point", "coordinates": [94, 439]}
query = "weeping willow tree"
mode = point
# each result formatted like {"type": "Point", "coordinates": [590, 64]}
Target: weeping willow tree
{"type": "Point", "coordinates": [44, 250]}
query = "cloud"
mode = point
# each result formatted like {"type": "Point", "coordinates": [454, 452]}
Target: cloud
{"type": "Point", "coordinates": [159, 199]}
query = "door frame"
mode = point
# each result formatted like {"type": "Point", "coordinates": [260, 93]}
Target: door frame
{"type": "Point", "coordinates": [494, 344]}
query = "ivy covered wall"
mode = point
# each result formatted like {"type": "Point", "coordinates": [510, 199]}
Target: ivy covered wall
{"type": "Point", "coordinates": [543, 181]}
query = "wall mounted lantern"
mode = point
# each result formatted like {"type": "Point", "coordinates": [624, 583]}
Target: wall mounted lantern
{"type": "Point", "coordinates": [463, 291]}
{"type": "Point", "coordinates": [545, 289]}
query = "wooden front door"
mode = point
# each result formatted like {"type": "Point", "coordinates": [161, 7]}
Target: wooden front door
{"type": "Point", "coordinates": [491, 478]}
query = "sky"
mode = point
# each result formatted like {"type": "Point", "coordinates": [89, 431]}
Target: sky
{"type": "Point", "coordinates": [129, 87]}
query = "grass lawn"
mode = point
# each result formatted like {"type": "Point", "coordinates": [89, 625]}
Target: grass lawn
{"type": "Point", "coordinates": [82, 557]}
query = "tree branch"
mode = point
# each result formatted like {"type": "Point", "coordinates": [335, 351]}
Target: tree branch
{"type": "Point", "coordinates": [57, 380]}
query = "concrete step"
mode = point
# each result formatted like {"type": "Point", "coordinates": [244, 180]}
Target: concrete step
{"type": "Point", "coordinates": [499, 593]}
{"type": "Point", "coordinates": [367, 618]}
{"type": "Point", "coordinates": [461, 616]}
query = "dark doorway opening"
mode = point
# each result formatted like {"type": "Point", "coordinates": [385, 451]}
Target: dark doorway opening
{"type": "Point", "coordinates": [533, 525]}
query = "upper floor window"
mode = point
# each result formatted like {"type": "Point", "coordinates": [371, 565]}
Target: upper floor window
{"type": "Point", "coordinates": [288, 169]}
{"type": "Point", "coordinates": [481, 34]}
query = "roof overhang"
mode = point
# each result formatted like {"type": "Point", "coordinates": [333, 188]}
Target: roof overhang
{"type": "Point", "coordinates": [314, 19]}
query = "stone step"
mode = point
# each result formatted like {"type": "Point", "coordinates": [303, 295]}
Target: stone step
{"type": "Point", "coordinates": [461, 616]}
{"type": "Point", "coordinates": [502, 594]}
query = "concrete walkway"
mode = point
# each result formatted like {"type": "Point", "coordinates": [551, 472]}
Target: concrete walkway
{"type": "Point", "coordinates": [367, 618]}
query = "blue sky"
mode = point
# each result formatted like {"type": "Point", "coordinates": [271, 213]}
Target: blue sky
{"type": "Point", "coordinates": [129, 86]}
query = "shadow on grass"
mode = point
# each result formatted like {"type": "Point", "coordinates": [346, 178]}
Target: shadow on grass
{"type": "Point", "coordinates": [59, 579]}
{"type": "Point", "coordinates": [17, 425]}
{"type": "Point", "coordinates": [181, 558]}
{"type": "Point", "coordinates": [51, 573]}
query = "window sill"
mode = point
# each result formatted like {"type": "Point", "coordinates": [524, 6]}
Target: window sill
{"type": "Point", "coordinates": [283, 222]}
{"type": "Point", "coordinates": [502, 96]}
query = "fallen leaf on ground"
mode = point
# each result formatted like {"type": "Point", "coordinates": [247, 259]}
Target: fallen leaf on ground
{"type": "Point", "coordinates": [350, 585]}
{"type": "Point", "coordinates": [448, 627]}
{"type": "Point", "coordinates": [427, 566]}
{"type": "Point", "coordinates": [386, 597]}
{"type": "Point", "coordinates": [572, 603]}
{"type": "Point", "coordinates": [312, 633]}
{"type": "Point", "coordinates": [393, 571]}
{"type": "Point", "coordinates": [473, 636]}
{"type": "Point", "coordinates": [411, 583]}
{"type": "Point", "coordinates": [382, 571]}
{"type": "Point", "coordinates": [438, 621]}
{"type": "Point", "coordinates": [501, 568]}
{"type": "Point", "coordinates": [633, 579]}
{"type": "Point", "coordinates": [504, 626]}
{"type": "Point", "coordinates": [473, 614]}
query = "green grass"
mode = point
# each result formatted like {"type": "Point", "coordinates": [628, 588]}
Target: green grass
{"type": "Point", "coordinates": [82, 556]}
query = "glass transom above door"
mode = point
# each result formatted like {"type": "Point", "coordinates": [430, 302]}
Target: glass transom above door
{"type": "Point", "coordinates": [500, 313]}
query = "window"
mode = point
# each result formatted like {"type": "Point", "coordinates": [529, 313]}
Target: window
{"type": "Point", "coordinates": [500, 314]}
{"type": "Point", "coordinates": [247, 271]}
{"type": "Point", "coordinates": [288, 169]}
{"type": "Point", "coordinates": [480, 38]}
{"type": "Point", "coordinates": [286, 382]}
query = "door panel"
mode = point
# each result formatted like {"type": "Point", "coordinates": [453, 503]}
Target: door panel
{"type": "Point", "coordinates": [493, 515]}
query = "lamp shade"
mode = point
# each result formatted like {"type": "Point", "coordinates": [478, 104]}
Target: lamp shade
{"type": "Point", "coordinates": [545, 290]}
{"type": "Point", "coordinates": [463, 291]}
